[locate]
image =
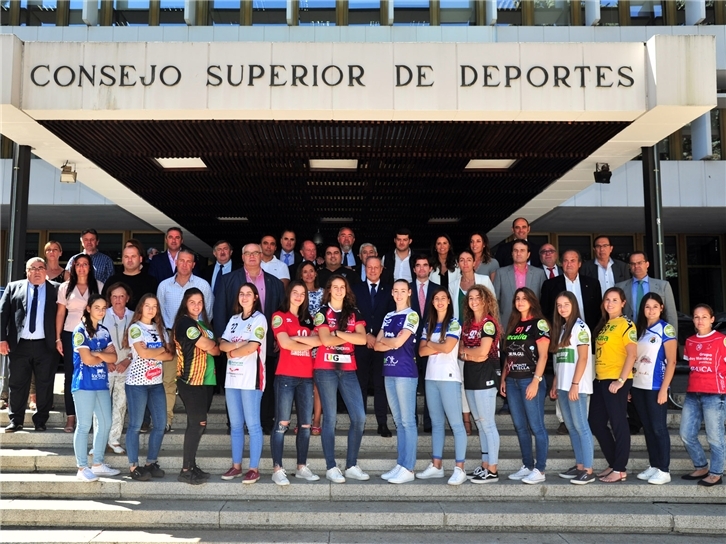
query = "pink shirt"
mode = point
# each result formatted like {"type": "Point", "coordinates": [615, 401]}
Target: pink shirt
{"type": "Point", "coordinates": [259, 282]}
{"type": "Point", "coordinates": [75, 304]}
{"type": "Point", "coordinates": [520, 277]}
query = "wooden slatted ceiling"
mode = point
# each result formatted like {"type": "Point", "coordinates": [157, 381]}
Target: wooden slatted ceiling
{"type": "Point", "coordinates": [407, 172]}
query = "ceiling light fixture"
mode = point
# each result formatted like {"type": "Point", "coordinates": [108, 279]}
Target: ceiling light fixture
{"type": "Point", "coordinates": [439, 220]}
{"type": "Point", "coordinates": [226, 218]}
{"type": "Point", "coordinates": [336, 220]}
{"type": "Point", "coordinates": [333, 164]}
{"type": "Point", "coordinates": [181, 162]}
{"type": "Point", "coordinates": [489, 164]}
{"type": "Point", "coordinates": [68, 174]}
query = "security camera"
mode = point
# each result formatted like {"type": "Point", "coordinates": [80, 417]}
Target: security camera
{"type": "Point", "coordinates": [602, 173]}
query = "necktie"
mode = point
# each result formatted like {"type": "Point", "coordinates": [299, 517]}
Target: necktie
{"type": "Point", "coordinates": [638, 297]}
{"type": "Point", "coordinates": [552, 272]}
{"type": "Point", "coordinates": [421, 298]}
{"type": "Point", "coordinates": [373, 292]}
{"type": "Point", "coordinates": [33, 310]}
{"type": "Point", "coordinates": [345, 259]}
{"type": "Point", "coordinates": [287, 259]}
{"type": "Point", "coordinates": [217, 277]}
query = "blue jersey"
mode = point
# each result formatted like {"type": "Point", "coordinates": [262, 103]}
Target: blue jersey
{"type": "Point", "coordinates": [89, 378]}
{"type": "Point", "coordinates": [401, 362]}
{"type": "Point", "coordinates": [650, 365]}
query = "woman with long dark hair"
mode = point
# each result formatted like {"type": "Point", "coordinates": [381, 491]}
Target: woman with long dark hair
{"type": "Point", "coordinates": [484, 263]}
{"type": "Point", "coordinates": [527, 344]}
{"type": "Point", "coordinates": [340, 327]}
{"type": "Point", "coordinates": [94, 356]}
{"type": "Point", "coordinates": [292, 326]}
{"type": "Point", "coordinates": [444, 261]}
{"type": "Point", "coordinates": [195, 347]}
{"type": "Point", "coordinates": [73, 297]}
{"type": "Point", "coordinates": [308, 274]}
{"type": "Point", "coordinates": [440, 341]}
{"type": "Point", "coordinates": [616, 348]}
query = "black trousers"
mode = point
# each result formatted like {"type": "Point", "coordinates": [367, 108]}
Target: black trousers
{"type": "Point", "coordinates": [267, 407]}
{"type": "Point", "coordinates": [67, 343]}
{"type": "Point", "coordinates": [421, 363]}
{"type": "Point", "coordinates": [196, 399]}
{"type": "Point", "coordinates": [606, 407]}
{"type": "Point", "coordinates": [31, 357]}
{"type": "Point", "coordinates": [370, 374]}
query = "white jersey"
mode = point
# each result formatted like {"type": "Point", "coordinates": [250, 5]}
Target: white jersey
{"type": "Point", "coordinates": [118, 326]}
{"type": "Point", "coordinates": [247, 372]}
{"type": "Point", "coordinates": [566, 360]}
{"type": "Point", "coordinates": [444, 366]}
{"type": "Point", "coordinates": [144, 371]}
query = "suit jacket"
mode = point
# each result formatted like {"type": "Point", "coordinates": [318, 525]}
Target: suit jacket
{"type": "Point", "coordinates": [663, 288]}
{"type": "Point", "coordinates": [14, 307]}
{"type": "Point", "coordinates": [209, 272]}
{"type": "Point", "coordinates": [373, 312]}
{"type": "Point", "coordinates": [504, 254]}
{"type": "Point", "coordinates": [505, 285]}
{"type": "Point", "coordinates": [455, 284]}
{"type": "Point", "coordinates": [291, 268]}
{"type": "Point", "coordinates": [621, 272]}
{"type": "Point", "coordinates": [160, 267]}
{"type": "Point", "coordinates": [591, 298]}
{"type": "Point", "coordinates": [227, 295]}
{"type": "Point", "coordinates": [422, 312]}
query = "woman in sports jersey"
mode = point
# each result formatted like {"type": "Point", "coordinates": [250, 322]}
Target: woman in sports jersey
{"type": "Point", "coordinates": [150, 347]}
{"type": "Point", "coordinates": [195, 348]}
{"type": "Point", "coordinates": [652, 375]}
{"type": "Point", "coordinates": [397, 339]}
{"type": "Point", "coordinates": [527, 345]}
{"type": "Point", "coordinates": [615, 352]}
{"type": "Point", "coordinates": [308, 274]}
{"type": "Point", "coordinates": [479, 350]}
{"type": "Point", "coordinates": [292, 327]}
{"type": "Point", "coordinates": [573, 383]}
{"type": "Point", "coordinates": [244, 343]}
{"type": "Point", "coordinates": [705, 398]}
{"type": "Point", "coordinates": [440, 341]}
{"type": "Point", "coordinates": [340, 327]}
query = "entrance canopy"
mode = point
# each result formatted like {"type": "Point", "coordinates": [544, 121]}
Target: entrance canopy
{"type": "Point", "coordinates": [431, 136]}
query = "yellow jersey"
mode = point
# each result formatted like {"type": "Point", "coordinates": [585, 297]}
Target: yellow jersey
{"type": "Point", "coordinates": [610, 347]}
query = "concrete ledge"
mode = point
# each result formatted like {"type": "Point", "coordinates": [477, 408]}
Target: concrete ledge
{"type": "Point", "coordinates": [698, 519]}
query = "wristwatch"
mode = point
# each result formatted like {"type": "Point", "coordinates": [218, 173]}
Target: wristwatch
{"type": "Point", "coordinates": [621, 380]}
{"type": "Point", "coordinates": [539, 378]}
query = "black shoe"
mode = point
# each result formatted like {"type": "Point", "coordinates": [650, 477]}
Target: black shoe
{"type": "Point", "coordinates": [190, 478]}
{"type": "Point", "coordinates": [562, 429]}
{"type": "Point", "coordinates": [144, 428]}
{"type": "Point", "coordinates": [200, 473]}
{"type": "Point", "coordinates": [155, 470]}
{"type": "Point", "coordinates": [140, 475]}
{"type": "Point", "coordinates": [427, 429]}
{"type": "Point", "coordinates": [693, 478]}
{"type": "Point", "coordinates": [40, 428]}
{"type": "Point", "coordinates": [167, 429]}
{"type": "Point", "coordinates": [384, 431]}
{"type": "Point", "coordinates": [485, 477]}
{"type": "Point", "coordinates": [710, 484]}
{"type": "Point", "coordinates": [13, 428]}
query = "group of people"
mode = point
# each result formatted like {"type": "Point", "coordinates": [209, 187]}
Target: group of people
{"type": "Point", "coordinates": [286, 327]}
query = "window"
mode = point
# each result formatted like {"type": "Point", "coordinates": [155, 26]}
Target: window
{"type": "Point", "coordinates": [148, 240]}
{"type": "Point", "coordinates": [364, 12]}
{"type": "Point", "coordinates": [32, 243]}
{"type": "Point", "coordinates": [411, 12]}
{"type": "Point", "coordinates": [581, 243]}
{"type": "Point", "coordinates": [705, 275]}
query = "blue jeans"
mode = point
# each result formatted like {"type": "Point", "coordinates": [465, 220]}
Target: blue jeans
{"type": "Point", "coordinates": [444, 400]}
{"type": "Point", "coordinates": [88, 404]}
{"type": "Point", "coordinates": [483, 405]}
{"type": "Point", "coordinates": [528, 418]}
{"type": "Point", "coordinates": [288, 388]}
{"type": "Point", "coordinates": [710, 409]}
{"type": "Point", "coordinates": [329, 382]}
{"type": "Point", "coordinates": [401, 394]}
{"type": "Point", "coordinates": [654, 416]}
{"type": "Point", "coordinates": [575, 416]}
{"type": "Point", "coordinates": [243, 406]}
{"type": "Point", "coordinates": [139, 399]}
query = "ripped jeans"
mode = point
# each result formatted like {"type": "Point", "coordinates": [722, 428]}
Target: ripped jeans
{"type": "Point", "coordinates": [288, 388]}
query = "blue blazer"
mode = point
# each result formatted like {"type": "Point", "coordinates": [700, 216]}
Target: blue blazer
{"type": "Point", "coordinates": [374, 313]}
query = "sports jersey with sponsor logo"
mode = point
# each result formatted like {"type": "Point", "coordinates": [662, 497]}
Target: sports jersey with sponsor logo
{"type": "Point", "coordinates": [294, 363]}
{"type": "Point", "coordinates": [247, 372]}
{"type": "Point", "coordinates": [484, 374]}
{"type": "Point", "coordinates": [336, 357]}
{"type": "Point", "coordinates": [706, 355]}
{"type": "Point", "coordinates": [401, 362]}
{"type": "Point", "coordinates": [144, 371]}
{"type": "Point", "coordinates": [566, 360]}
{"type": "Point", "coordinates": [522, 352]}
{"type": "Point", "coordinates": [610, 346]}
{"type": "Point", "coordinates": [194, 365]}
{"type": "Point", "coordinates": [86, 377]}
{"type": "Point", "coordinates": [650, 364]}
{"type": "Point", "coordinates": [444, 367]}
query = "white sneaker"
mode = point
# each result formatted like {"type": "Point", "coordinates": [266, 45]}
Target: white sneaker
{"type": "Point", "coordinates": [306, 474]}
{"type": "Point", "coordinates": [404, 475]}
{"type": "Point", "coordinates": [335, 476]}
{"type": "Point", "coordinates": [86, 475]}
{"type": "Point", "coordinates": [356, 473]}
{"type": "Point", "coordinates": [391, 473]}
{"type": "Point", "coordinates": [458, 477]}
{"type": "Point", "coordinates": [534, 477]}
{"type": "Point", "coordinates": [104, 470]}
{"type": "Point", "coordinates": [520, 474]}
{"type": "Point", "coordinates": [280, 478]}
{"type": "Point", "coordinates": [431, 472]}
{"type": "Point", "coordinates": [660, 477]}
{"type": "Point", "coordinates": [116, 448]}
{"type": "Point", "coordinates": [647, 474]}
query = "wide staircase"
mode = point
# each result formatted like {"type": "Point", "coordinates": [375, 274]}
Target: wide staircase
{"type": "Point", "coordinates": [38, 489]}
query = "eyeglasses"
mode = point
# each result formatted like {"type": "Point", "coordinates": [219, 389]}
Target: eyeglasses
{"type": "Point", "coordinates": [251, 253]}
{"type": "Point", "coordinates": [36, 269]}
{"type": "Point", "coordinates": [546, 251]}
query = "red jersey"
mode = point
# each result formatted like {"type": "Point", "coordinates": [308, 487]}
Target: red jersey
{"type": "Point", "coordinates": [706, 355]}
{"type": "Point", "coordinates": [336, 357]}
{"type": "Point", "coordinates": [298, 364]}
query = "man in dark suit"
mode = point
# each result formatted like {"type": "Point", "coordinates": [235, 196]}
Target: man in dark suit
{"type": "Point", "coordinates": [346, 239]}
{"type": "Point", "coordinates": [271, 297]}
{"type": "Point", "coordinates": [163, 265]}
{"type": "Point", "coordinates": [27, 336]}
{"type": "Point", "coordinates": [399, 263]}
{"type": "Point", "coordinates": [422, 291]}
{"type": "Point", "coordinates": [608, 271]}
{"type": "Point", "coordinates": [287, 253]}
{"type": "Point", "coordinates": [520, 229]}
{"type": "Point", "coordinates": [374, 301]}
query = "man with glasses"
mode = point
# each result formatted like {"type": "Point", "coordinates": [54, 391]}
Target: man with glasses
{"type": "Point", "coordinates": [548, 256]}
{"type": "Point", "coordinates": [27, 337]}
{"type": "Point", "coordinates": [607, 270]}
{"type": "Point", "coordinates": [640, 284]}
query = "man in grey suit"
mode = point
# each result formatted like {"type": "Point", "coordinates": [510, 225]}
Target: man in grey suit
{"type": "Point", "coordinates": [640, 284]}
{"type": "Point", "coordinates": [509, 279]}
{"type": "Point", "coordinates": [603, 267]}
{"type": "Point", "coordinates": [27, 337]}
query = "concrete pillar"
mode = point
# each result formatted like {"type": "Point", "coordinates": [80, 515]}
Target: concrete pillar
{"type": "Point", "coordinates": [592, 12]}
{"type": "Point", "coordinates": [652, 206]}
{"type": "Point", "coordinates": [701, 142]}
{"type": "Point", "coordinates": [19, 191]}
